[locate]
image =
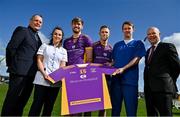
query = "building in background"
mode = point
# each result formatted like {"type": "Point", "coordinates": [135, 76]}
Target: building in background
{"type": "Point", "coordinates": [4, 76]}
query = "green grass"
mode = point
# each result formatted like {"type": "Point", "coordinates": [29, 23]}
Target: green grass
{"type": "Point", "coordinates": [56, 109]}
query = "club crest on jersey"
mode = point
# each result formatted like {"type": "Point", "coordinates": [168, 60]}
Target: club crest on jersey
{"type": "Point", "coordinates": [93, 69]}
{"type": "Point", "coordinates": [83, 73]}
{"type": "Point", "coordinates": [105, 54]}
{"type": "Point", "coordinates": [73, 46]}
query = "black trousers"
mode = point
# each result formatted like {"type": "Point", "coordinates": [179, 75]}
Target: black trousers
{"type": "Point", "coordinates": [158, 103]}
{"type": "Point", "coordinates": [44, 97]}
{"type": "Point", "coordinates": [19, 91]}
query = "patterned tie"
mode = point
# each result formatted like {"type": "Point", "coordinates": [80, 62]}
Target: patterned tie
{"type": "Point", "coordinates": [36, 36]}
{"type": "Point", "coordinates": [151, 54]}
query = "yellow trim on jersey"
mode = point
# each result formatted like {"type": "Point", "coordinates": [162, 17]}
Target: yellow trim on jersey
{"type": "Point", "coordinates": [64, 100]}
{"type": "Point", "coordinates": [88, 48]}
{"type": "Point", "coordinates": [85, 58]}
{"type": "Point", "coordinates": [107, 102]}
{"type": "Point", "coordinates": [50, 79]}
{"type": "Point", "coordinates": [85, 54]}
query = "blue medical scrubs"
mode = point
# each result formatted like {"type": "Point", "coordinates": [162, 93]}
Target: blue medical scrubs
{"type": "Point", "coordinates": [125, 86]}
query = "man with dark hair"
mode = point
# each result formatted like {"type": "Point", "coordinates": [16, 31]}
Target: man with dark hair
{"type": "Point", "coordinates": [102, 53]}
{"type": "Point", "coordinates": [22, 66]}
{"type": "Point", "coordinates": [126, 56]}
{"type": "Point", "coordinates": [78, 46]}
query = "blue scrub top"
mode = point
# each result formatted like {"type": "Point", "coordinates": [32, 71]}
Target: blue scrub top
{"type": "Point", "coordinates": [122, 54]}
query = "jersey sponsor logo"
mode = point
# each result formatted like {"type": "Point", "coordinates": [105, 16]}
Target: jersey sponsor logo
{"type": "Point", "coordinates": [83, 76]}
{"type": "Point", "coordinates": [72, 72]}
{"type": "Point", "coordinates": [86, 101]}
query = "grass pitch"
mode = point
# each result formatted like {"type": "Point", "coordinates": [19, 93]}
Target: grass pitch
{"type": "Point", "coordinates": [56, 110]}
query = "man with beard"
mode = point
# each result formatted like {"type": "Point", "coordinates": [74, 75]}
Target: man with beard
{"type": "Point", "coordinates": [78, 46]}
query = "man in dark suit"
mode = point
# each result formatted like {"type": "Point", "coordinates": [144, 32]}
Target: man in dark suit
{"type": "Point", "coordinates": [162, 68]}
{"type": "Point", "coordinates": [22, 67]}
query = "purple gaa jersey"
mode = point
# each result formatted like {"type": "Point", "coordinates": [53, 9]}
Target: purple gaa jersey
{"type": "Point", "coordinates": [76, 50]}
{"type": "Point", "coordinates": [102, 54]}
{"type": "Point", "coordinates": [84, 87]}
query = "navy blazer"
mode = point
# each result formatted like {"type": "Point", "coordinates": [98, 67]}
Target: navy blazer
{"type": "Point", "coordinates": [21, 52]}
{"type": "Point", "coordinates": [161, 73]}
